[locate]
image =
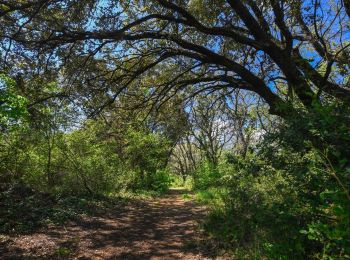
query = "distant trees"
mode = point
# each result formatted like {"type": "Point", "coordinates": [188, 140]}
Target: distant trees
{"type": "Point", "coordinates": [249, 120]}
{"type": "Point", "coordinates": [185, 158]}
{"type": "Point", "coordinates": [219, 124]}
{"type": "Point", "coordinates": [210, 127]}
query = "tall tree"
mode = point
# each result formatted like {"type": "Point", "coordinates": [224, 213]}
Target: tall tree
{"type": "Point", "coordinates": [262, 46]}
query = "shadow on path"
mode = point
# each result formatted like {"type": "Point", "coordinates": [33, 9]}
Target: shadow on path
{"type": "Point", "coordinates": [160, 228]}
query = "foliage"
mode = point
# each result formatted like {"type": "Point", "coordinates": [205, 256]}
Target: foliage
{"type": "Point", "coordinates": [161, 181]}
{"type": "Point", "coordinates": [146, 153]}
{"type": "Point", "coordinates": [286, 198]}
{"type": "Point", "coordinates": [177, 181]}
{"type": "Point", "coordinates": [80, 162]}
{"type": "Point", "coordinates": [206, 175]}
{"type": "Point", "coordinates": [12, 106]}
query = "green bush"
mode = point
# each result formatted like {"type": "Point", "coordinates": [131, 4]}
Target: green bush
{"type": "Point", "coordinates": [161, 181]}
{"type": "Point", "coordinates": [206, 176]}
{"type": "Point", "coordinates": [289, 198]}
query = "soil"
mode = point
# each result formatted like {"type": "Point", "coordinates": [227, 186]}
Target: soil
{"type": "Point", "coordinates": [160, 228]}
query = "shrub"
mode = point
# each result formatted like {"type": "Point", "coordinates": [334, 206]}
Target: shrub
{"type": "Point", "coordinates": [289, 198]}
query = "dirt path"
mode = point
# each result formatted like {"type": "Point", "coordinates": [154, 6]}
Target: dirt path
{"type": "Point", "coordinates": [162, 228]}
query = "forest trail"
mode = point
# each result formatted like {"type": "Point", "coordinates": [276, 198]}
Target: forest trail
{"type": "Point", "coordinates": [160, 228]}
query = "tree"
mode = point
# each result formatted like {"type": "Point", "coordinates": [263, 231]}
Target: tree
{"type": "Point", "coordinates": [185, 158]}
{"type": "Point", "coordinates": [211, 129]}
{"type": "Point", "coordinates": [262, 46]}
{"type": "Point", "coordinates": [12, 106]}
{"type": "Point", "coordinates": [247, 120]}
{"type": "Point", "coordinates": [294, 54]}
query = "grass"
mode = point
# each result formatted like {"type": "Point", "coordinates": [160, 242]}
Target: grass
{"type": "Point", "coordinates": [212, 197]}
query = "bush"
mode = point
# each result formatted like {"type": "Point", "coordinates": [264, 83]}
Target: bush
{"type": "Point", "coordinates": [161, 181]}
{"type": "Point", "coordinates": [206, 176]}
{"type": "Point", "coordinates": [289, 198]}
